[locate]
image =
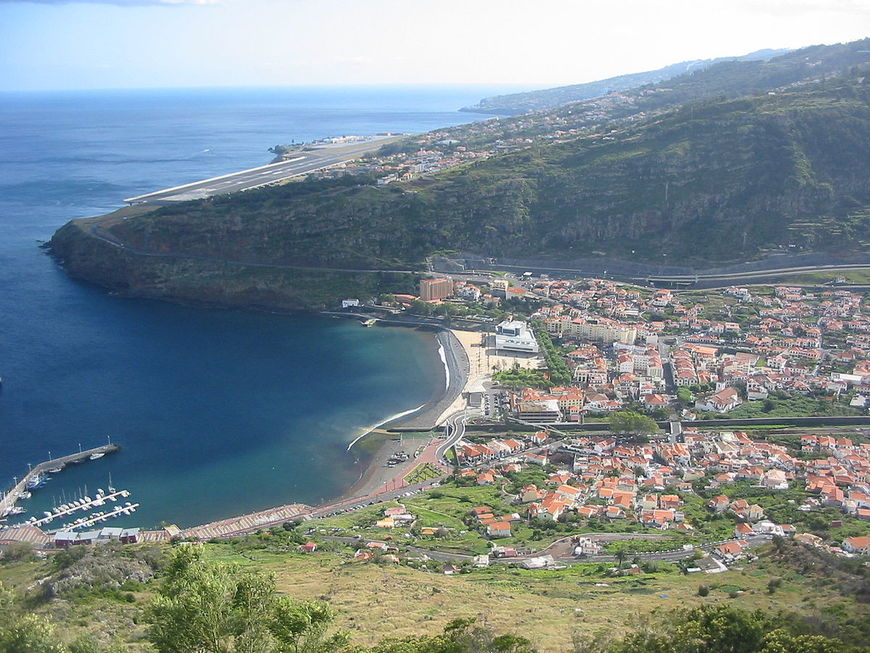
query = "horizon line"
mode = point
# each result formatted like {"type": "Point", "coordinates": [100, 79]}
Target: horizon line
{"type": "Point", "coordinates": [336, 85]}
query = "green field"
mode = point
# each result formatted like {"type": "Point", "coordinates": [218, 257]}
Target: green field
{"type": "Point", "coordinates": [375, 600]}
{"type": "Point", "coordinates": [423, 473]}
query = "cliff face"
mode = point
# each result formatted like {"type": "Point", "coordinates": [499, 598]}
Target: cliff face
{"type": "Point", "coordinates": [717, 181]}
{"type": "Point", "coordinates": [212, 282]}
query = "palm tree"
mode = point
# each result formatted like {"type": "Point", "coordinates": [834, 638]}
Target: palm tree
{"type": "Point", "coordinates": [620, 557]}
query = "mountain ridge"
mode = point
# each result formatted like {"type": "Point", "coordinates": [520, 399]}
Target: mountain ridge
{"type": "Point", "coordinates": [723, 179]}
{"type": "Point", "coordinates": [549, 98]}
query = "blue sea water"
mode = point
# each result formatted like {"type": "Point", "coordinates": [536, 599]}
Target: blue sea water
{"type": "Point", "coordinates": [218, 412]}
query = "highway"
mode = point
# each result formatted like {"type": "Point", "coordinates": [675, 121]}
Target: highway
{"type": "Point", "coordinates": [702, 279]}
{"type": "Point", "coordinates": [301, 163]}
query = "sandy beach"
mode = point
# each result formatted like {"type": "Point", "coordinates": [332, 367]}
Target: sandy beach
{"type": "Point", "coordinates": [474, 350]}
{"type": "Point", "coordinates": [482, 360]}
{"type": "Point", "coordinates": [468, 363]}
{"type": "Point", "coordinates": [463, 357]}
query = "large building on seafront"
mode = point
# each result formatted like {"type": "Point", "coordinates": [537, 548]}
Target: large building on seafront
{"type": "Point", "coordinates": [515, 336]}
{"type": "Point", "coordinates": [595, 329]}
{"type": "Point", "coordinates": [435, 289]}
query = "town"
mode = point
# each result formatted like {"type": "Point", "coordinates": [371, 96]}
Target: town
{"type": "Point", "coordinates": [582, 349]}
{"type": "Point", "coordinates": [598, 412]}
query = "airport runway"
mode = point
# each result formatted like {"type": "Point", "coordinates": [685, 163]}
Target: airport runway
{"type": "Point", "coordinates": [300, 163]}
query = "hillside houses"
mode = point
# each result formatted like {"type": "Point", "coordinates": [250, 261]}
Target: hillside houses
{"type": "Point", "coordinates": [759, 345]}
{"type": "Point", "coordinates": [651, 483]}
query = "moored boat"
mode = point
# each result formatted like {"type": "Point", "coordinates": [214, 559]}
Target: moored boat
{"type": "Point", "coordinates": [36, 481]}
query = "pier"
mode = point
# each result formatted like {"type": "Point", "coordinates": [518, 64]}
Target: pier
{"type": "Point", "coordinates": [8, 501]}
{"type": "Point", "coordinates": [97, 518]}
{"type": "Point", "coordinates": [83, 505]}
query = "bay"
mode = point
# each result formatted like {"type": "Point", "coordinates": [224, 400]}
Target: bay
{"type": "Point", "coordinates": [217, 412]}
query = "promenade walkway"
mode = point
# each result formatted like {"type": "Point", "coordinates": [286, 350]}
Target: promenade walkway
{"type": "Point", "coordinates": [246, 523]}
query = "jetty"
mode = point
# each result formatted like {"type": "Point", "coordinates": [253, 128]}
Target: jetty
{"type": "Point", "coordinates": [8, 501]}
{"type": "Point", "coordinates": [96, 518]}
{"type": "Point", "coordinates": [85, 504]}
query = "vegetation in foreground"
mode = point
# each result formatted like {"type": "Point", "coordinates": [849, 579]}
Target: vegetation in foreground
{"type": "Point", "coordinates": [235, 597]}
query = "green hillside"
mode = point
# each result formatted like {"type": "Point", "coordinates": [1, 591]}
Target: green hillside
{"type": "Point", "coordinates": [548, 98]}
{"type": "Point", "coordinates": [712, 181]}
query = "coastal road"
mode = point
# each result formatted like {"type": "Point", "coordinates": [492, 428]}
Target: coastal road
{"type": "Point", "coordinates": [706, 280]}
{"type": "Point", "coordinates": [301, 163]}
{"type": "Point", "coordinates": [454, 431]}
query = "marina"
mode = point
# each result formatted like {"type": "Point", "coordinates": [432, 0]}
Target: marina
{"type": "Point", "coordinates": [38, 475]}
{"type": "Point", "coordinates": [85, 503]}
{"type": "Point", "coordinates": [98, 517]}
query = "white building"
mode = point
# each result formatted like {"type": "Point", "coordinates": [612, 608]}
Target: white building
{"type": "Point", "coordinates": [515, 336]}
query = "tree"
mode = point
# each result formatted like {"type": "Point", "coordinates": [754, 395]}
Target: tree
{"type": "Point", "coordinates": [779, 641]}
{"type": "Point", "coordinates": [721, 629]}
{"type": "Point", "coordinates": [421, 308]}
{"type": "Point", "coordinates": [626, 421]}
{"type": "Point", "coordinates": [27, 633]}
{"type": "Point", "coordinates": [205, 606]}
{"type": "Point", "coordinates": [709, 628]}
{"type": "Point", "coordinates": [685, 396]}
{"type": "Point", "coordinates": [620, 556]}
{"type": "Point", "coordinates": [30, 634]}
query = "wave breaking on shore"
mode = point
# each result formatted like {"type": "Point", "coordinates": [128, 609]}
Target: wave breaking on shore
{"type": "Point", "coordinates": [392, 418]}
{"type": "Point", "coordinates": [443, 356]}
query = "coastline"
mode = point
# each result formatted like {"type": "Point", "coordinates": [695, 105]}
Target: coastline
{"type": "Point", "coordinates": [453, 350]}
{"type": "Point", "coordinates": [456, 364]}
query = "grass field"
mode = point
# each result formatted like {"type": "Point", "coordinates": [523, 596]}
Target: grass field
{"type": "Point", "coordinates": [422, 473]}
{"type": "Point", "coordinates": [374, 601]}
{"type": "Point", "coordinates": [821, 278]}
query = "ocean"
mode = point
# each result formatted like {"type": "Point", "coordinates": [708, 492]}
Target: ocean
{"type": "Point", "coordinates": [217, 412]}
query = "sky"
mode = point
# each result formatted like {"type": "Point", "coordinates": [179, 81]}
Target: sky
{"type": "Point", "coordinates": [70, 44]}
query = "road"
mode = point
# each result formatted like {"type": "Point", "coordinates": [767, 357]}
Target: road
{"type": "Point", "coordinates": [706, 280]}
{"type": "Point", "coordinates": [301, 163]}
{"type": "Point", "coordinates": [561, 550]}
{"type": "Point", "coordinates": [454, 430]}
{"type": "Point", "coordinates": [737, 276]}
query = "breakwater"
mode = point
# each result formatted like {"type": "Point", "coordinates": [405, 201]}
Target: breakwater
{"type": "Point", "coordinates": [7, 503]}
